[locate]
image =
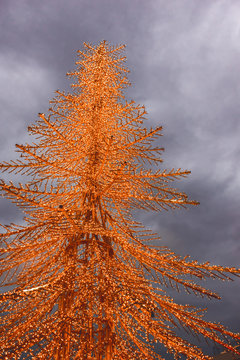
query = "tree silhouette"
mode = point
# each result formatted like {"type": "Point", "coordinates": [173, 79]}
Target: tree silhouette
{"type": "Point", "coordinates": [88, 281]}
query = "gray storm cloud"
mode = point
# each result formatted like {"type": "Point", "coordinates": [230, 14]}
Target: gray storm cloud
{"type": "Point", "coordinates": [184, 60]}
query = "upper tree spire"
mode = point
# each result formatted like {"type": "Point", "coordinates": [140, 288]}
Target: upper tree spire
{"type": "Point", "coordinates": [79, 265]}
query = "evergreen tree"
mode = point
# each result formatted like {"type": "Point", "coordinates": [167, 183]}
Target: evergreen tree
{"type": "Point", "coordinates": [88, 284]}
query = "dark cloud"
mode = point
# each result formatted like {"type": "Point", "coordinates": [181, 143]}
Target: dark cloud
{"type": "Point", "coordinates": [184, 59]}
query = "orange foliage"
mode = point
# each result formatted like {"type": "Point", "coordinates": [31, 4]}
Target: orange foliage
{"type": "Point", "coordinates": [87, 283]}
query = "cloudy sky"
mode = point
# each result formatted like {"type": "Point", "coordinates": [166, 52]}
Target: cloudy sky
{"type": "Point", "coordinates": [184, 58]}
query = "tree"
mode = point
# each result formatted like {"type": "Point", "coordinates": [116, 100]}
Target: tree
{"type": "Point", "coordinates": [87, 279]}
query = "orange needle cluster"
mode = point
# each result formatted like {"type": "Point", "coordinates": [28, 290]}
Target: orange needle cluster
{"type": "Point", "coordinates": [87, 284]}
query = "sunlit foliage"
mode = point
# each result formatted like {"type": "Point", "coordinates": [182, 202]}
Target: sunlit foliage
{"type": "Point", "coordinates": [88, 281]}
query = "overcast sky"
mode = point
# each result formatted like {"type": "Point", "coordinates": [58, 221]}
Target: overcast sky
{"type": "Point", "coordinates": [184, 58]}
